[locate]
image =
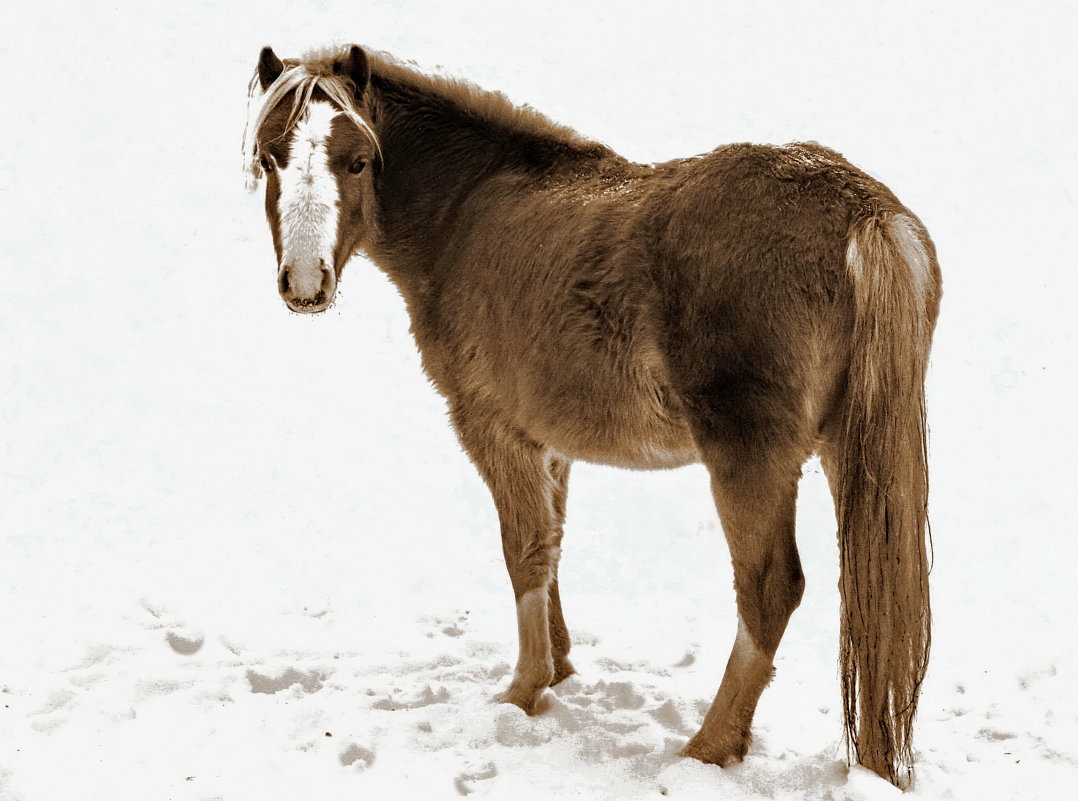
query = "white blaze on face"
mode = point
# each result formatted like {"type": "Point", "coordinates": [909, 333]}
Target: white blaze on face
{"type": "Point", "coordinates": [308, 204]}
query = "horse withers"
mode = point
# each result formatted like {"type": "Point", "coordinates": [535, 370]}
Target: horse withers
{"type": "Point", "coordinates": [745, 309]}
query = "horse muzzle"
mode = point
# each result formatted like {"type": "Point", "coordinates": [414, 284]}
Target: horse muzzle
{"type": "Point", "coordinates": [307, 288]}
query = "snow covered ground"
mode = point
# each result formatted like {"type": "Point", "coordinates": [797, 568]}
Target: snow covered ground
{"type": "Point", "coordinates": [242, 555]}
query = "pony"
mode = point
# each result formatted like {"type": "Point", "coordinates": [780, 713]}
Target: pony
{"type": "Point", "coordinates": [744, 309]}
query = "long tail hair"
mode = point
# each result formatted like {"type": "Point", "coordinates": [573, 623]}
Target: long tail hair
{"type": "Point", "coordinates": [882, 496]}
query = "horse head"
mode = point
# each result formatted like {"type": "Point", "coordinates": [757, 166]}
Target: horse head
{"type": "Point", "coordinates": [309, 136]}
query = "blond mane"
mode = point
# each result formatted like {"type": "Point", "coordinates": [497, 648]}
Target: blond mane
{"type": "Point", "coordinates": [304, 79]}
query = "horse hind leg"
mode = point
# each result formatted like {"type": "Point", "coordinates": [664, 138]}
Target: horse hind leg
{"type": "Point", "coordinates": [559, 633]}
{"type": "Point", "coordinates": [529, 486]}
{"type": "Point", "coordinates": [756, 500]}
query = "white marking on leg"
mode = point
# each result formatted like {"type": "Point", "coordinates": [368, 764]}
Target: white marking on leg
{"type": "Point", "coordinates": [309, 201]}
{"type": "Point", "coordinates": [745, 652]}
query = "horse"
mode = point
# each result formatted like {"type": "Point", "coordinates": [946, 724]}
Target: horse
{"type": "Point", "coordinates": [745, 309]}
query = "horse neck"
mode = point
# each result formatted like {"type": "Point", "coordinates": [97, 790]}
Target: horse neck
{"type": "Point", "coordinates": [422, 177]}
{"type": "Point", "coordinates": [435, 154]}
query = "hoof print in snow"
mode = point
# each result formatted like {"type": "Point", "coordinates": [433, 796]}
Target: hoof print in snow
{"type": "Point", "coordinates": [426, 698]}
{"type": "Point", "coordinates": [995, 735]}
{"type": "Point", "coordinates": [185, 643]}
{"type": "Point", "coordinates": [310, 681]}
{"type": "Point", "coordinates": [685, 661]}
{"type": "Point", "coordinates": [450, 627]}
{"type": "Point", "coordinates": [357, 757]}
{"type": "Point", "coordinates": [669, 716]}
{"type": "Point", "coordinates": [513, 728]}
{"type": "Point", "coordinates": [613, 695]}
{"type": "Point", "coordinates": [496, 672]}
{"type": "Point", "coordinates": [468, 782]}
{"type": "Point", "coordinates": [1026, 680]}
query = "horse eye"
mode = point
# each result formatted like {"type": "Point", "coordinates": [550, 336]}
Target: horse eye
{"type": "Point", "coordinates": [357, 166]}
{"type": "Point", "coordinates": [267, 164]}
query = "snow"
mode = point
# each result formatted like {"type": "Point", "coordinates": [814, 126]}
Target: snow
{"type": "Point", "coordinates": [243, 555]}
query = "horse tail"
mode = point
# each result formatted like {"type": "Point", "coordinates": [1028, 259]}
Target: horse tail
{"type": "Point", "coordinates": [882, 490]}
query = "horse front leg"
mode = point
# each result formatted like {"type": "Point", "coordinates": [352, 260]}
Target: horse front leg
{"type": "Point", "coordinates": [528, 483]}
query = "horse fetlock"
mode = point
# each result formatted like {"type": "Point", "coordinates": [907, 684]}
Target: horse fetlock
{"type": "Point", "coordinates": [563, 669]}
{"type": "Point", "coordinates": [537, 674]}
{"type": "Point", "coordinates": [526, 688]}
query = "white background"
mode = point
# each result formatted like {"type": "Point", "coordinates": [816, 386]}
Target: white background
{"type": "Point", "coordinates": [182, 458]}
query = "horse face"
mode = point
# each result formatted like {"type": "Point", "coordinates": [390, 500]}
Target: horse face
{"type": "Point", "coordinates": [319, 185]}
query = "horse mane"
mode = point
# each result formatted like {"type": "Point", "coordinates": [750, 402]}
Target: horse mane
{"type": "Point", "coordinates": [469, 102]}
{"type": "Point", "coordinates": [314, 71]}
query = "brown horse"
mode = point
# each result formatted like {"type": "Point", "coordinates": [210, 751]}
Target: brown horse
{"type": "Point", "coordinates": [745, 309]}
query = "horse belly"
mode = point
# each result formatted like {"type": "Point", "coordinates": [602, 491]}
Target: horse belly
{"type": "Point", "coordinates": [658, 456]}
{"type": "Point", "coordinates": [622, 424]}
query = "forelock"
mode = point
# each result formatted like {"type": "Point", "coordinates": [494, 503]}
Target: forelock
{"type": "Point", "coordinates": [302, 79]}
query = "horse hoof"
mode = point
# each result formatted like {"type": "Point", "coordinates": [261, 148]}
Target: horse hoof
{"type": "Point", "coordinates": [533, 702]}
{"type": "Point", "coordinates": [722, 753]}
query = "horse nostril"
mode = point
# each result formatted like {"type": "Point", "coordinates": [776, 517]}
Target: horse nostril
{"type": "Point", "coordinates": [282, 280]}
{"type": "Point", "coordinates": [327, 279]}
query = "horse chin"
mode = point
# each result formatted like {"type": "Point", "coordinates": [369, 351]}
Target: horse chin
{"type": "Point", "coordinates": [313, 306]}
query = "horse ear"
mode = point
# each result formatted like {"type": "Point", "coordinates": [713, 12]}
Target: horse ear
{"type": "Point", "coordinates": [356, 67]}
{"type": "Point", "coordinates": [269, 67]}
